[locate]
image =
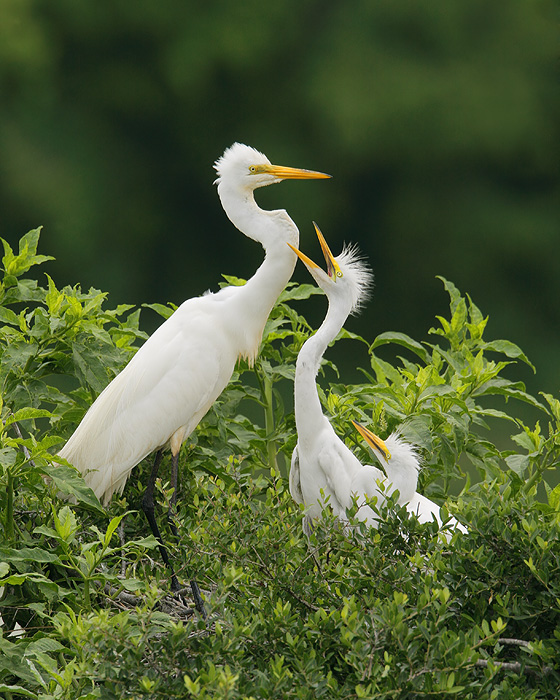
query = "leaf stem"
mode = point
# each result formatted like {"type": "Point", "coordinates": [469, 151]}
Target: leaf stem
{"type": "Point", "coordinates": [9, 526]}
{"type": "Point", "coordinates": [271, 446]}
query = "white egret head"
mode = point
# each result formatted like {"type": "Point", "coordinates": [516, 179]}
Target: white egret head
{"type": "Point", "coordinates": [399, 459]}
{"type": "Point", "coordinates": [347, 278]}
{"type": "Point", "coordinates": [247, 168]}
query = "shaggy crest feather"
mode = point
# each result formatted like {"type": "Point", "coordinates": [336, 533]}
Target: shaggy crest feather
{"type": "Point", "coordinates": [397, 444]}
{"type": "Point", "coordinates": [238, 155]}
{"type": "Point", "coordinates": [357, 275]}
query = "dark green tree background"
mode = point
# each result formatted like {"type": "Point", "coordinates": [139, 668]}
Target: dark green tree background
{"type": "Point", "coordinates": [439, 120]}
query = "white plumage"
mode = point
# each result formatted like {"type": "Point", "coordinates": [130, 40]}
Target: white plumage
{"type": "Point", "coordinates": [168, 386]}
{"type": "Point", "coordinates": [401, 464]}
{"type": "Point", "coordinates": [323, 468]}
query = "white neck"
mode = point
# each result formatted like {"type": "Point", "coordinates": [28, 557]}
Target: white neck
{"type": "Point", "coordinates": [308, 410]}
{"type": "Point", "coordinates": [273, 230]}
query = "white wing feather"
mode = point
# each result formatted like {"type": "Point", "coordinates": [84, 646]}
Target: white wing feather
{"type": "Point", "coordinates": [426, 510]}
{"type": "Point", "coordinates": [167, 387]}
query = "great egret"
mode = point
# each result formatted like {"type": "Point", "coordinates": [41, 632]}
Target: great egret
{"type": "Point", "coordinates": [323, 468]}
{"type": "Point", "coordinates": [161, 395]}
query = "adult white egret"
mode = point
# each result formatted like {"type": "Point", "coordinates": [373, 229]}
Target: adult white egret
{"type": "Point", "coordinates": [323, 467]}
{"type": "Point", "coordinates": [167, 387]}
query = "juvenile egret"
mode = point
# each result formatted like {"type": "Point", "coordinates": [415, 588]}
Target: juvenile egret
{"type": "Point", "coordinates": [161, 395]}
{"type": "Point", "coordinates": [322, 466]}
{"type": "Point", "coordinates": [401, 464]}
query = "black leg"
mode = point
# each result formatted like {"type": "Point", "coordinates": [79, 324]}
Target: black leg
{"type": "Point", "coordinates": [173, 501]}
{"type": "Point", "coordinates": [149, 511]}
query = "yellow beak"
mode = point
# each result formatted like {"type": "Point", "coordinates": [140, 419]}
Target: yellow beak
{"type": "Point", "coordinates": [286, 173]}
{"type": "Point", "coordinates": [373, 440]}
{"type": "Point", "coordinates": [303, 257]}
{"type": "Point", "coordinates": [333, 270]}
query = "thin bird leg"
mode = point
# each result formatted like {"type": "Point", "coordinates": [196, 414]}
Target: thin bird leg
{"type": "Point", "coordinates": [173, 527]}
{"type": "Point", "coordinates": [173, 500]}
{"type": "Point", "coordinates": [149, 512]}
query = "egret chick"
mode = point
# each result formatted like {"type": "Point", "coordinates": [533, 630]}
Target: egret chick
{"type": "Point", "coordinates": [402, 464]}
{"type": "Point", "coordinates": [323, 468]}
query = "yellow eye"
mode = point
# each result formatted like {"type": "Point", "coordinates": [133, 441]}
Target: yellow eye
{"type": "Point", "coordinates": [253, 168]}
{"type": "Point", "coordinates": [339, 274]}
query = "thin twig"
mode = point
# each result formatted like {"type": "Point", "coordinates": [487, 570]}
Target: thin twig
{"type": "Point", "coordinates": [513, 642]}
{"type": "Point", "coordinates": [514, 666]}
{"type": "Point", "coordinates": [168, 604]}
{"type": "Point", "coordinates": [265, 568]}
{"type": "Point", "coordinates": [122, 541]}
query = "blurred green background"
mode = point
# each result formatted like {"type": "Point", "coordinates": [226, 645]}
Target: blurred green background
{"type": "Point", "coordinates": [440, 122]}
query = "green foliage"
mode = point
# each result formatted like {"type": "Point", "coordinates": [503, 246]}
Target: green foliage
{"type": "Point", "coordinates": [441, 401]}
{"type": "Point", "coordinates": [396, 612]}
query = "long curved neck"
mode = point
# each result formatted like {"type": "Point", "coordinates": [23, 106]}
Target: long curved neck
{"type": "Point", "coordinates": [242, 210]}
{"type": "Point", "coordinates": [308, 410]}
{"type": "Point", "coordinates": [273, 230]}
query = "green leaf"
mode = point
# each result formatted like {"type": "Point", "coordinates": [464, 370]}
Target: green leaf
{"type": "Point", "coordinates": [65, 523]}
{"type": "Point", "coordinates": [234, 281]}
{"type": "Point", "coordinates": [344, 334]}
{"type": "Point", "coordinates": [554, 497]}
{"type": "Point", "coordinates": [298, 292]}
{"type": "Point", "coordinates": [27, 414]}
{"type": "Point", "coordinates": [458, 322]}
{"type": "Point", "coordinates": [508, 349]}
{"type": "Point", "coordinates": [30, 554]}
{"type": "Point", "coordinates": [29, 242]}
{"type": "Point", "coordinates": [436, 390]}
{"type": "Point", "coordinates": [16, 690]}
{"type": "Point", "coordinates": [454, 293]}
{"type": "Point", "coordinates": [113, 525]}
{"type": "Point", "coordinates": [494, 413]}
{"type": "Point", "coordinates": [47, 531]}
{"type": "Point", "coordinates": [8, 316]}
{"type": "Point", "coordinates": [518, 463]}
{"type": "Point", "coordinates": [8, 456]}
{"type": "Point", "coordinates": [16, 265]}
{"type": "Point", "coordinates": [504, 387]}
{"type": "Point", "coordinates": [45, 645]}
{"type": "Point", "coordinates": [161, 309]}
{"type": "Point", "coordinates": [524, 440]}
{"type": "Point", "coordinates": [69, 481]}
{"type": "Point", "coordinates": [403, 340]}
{"type": "Point", "coordinates": [89, 365]}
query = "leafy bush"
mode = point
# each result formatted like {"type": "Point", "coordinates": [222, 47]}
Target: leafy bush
{"type": "Point", "coordinates": [395, 612]}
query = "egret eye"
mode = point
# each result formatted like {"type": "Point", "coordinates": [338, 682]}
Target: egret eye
{"type": "Point", "coordinates": [253, 168]}
{"type": "Point", "coordinates": [339, 274]}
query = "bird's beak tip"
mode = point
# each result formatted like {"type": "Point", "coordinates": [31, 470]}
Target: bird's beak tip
{"type": "Point", "coordinates": [303, 257]}
{"type": "Point", "coordinates": [286, 173]}
{"type": "Point", "coordinates": [375, 442]}
{"type": "Point", "coordinates": [333, 269]}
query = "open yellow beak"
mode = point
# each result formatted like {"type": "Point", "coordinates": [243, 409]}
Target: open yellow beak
{"type": "Point", "coordinates": [286, 173]}
{"type": "Point", "coordinates": [373, 440]}
{"type": "Point", "coordinates": [333, 270]}
{"type": "Point", "coordinates": [303, 257]}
